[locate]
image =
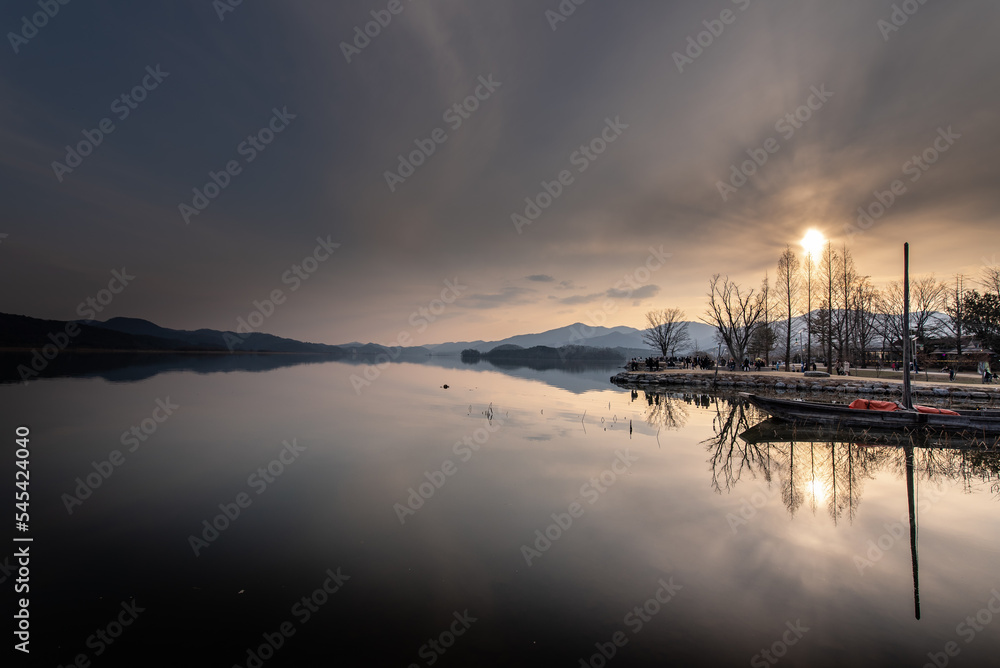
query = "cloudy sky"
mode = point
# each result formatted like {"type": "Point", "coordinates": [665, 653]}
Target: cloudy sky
{"type": "Point", "coordinates": [641, 107]}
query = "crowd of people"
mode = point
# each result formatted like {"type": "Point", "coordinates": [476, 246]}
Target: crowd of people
{"type": "Point", "coordinates": [661, 362]}
{"type": "Point", "coordinates": [842, 367]}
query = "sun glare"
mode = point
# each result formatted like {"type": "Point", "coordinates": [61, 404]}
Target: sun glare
{"type": "Point", "coordinates": [812, 243]}
{"type": "Point", "coordinates": [818, 490]}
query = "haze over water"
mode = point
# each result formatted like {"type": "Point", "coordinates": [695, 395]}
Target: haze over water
{"type": "Point", "coordinates": [755, 544]}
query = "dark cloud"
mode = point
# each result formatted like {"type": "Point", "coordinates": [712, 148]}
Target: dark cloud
{"type": "Point", "coordinates": [549, 98]}
{"type": "Point", "coordinates": [642, 292]}
{"type": "Point", "coordinates": [508, 296]}
{"type": "Point", "coordinates": [580, 299]}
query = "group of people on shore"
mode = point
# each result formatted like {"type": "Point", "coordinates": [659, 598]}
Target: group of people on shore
{"type": "Point", "coordinates": [661, 362]}
{"type": "Point", "coordinates": [843, 367]}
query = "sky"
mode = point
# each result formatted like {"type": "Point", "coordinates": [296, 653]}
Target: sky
{"type": "Point", "coordinates": [591, 172]}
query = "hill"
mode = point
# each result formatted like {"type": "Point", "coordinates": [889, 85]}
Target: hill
{"type": "Point", "coordinates": [580, 334]}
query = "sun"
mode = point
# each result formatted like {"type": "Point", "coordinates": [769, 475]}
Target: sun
{"type": "Point", "coordinates": [812, 242]}
{"type": "Point", "coordinates": [818, 490]}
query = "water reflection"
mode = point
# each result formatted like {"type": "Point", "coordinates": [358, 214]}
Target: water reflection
{"type": "Point", "coordinates": [667, 411]}
{"type": "Point", "coordinates": [825, 469]}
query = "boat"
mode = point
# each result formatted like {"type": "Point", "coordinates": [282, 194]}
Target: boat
{"type": "Point", "coordinates": [841, 416]}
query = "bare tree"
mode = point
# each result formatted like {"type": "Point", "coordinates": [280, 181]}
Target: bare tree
{"type": "Point", "coordinates": [956, 312]}
{"type": "Point", "coordinates": [667, 330]}
{"type": "Point", "coordinates": [864, 313]}
{"type": "Point", "coordinates": [828, 272]}
{"type": "Point", "coordinates": [764, 337]}
{"type": "Point", "coordinates": [991, 279]}
{"type": "Point", "coordinates": [810, 291]}
{"type": "Point", "coordinates": [847, 283]}
{"type": "Point", "coordinates": [733, 314]}
{"type": "Point", "coordinates": [788, 285]}
{"type": "Point", "coordinates": [927, 298]}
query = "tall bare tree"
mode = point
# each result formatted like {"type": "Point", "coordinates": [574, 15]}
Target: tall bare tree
{"type": "Point", "coordinates": [865, 305]}
{"type": "Point", "coordinates": [927, 298]}
{"type": "Point", "coordinates": [956, 312]}
{"type": "Point", "coordinates": [828, 284]}
{"type": "Point", "coordinates": [666, 330]}
{"type": "Point", "coordinates": [810, 286]}
{"type": "Point", "coordinates": [764, 337]}
{"type": "Point", "coordinates": [990, 278]}
{"type": "Point", "coordinates": [847, 283]}
{"type": "Point", "coordinates": [734, 314]}
{"type": "Point", "coordinates": [788, 287]}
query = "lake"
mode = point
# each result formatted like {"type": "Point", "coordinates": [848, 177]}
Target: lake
{"type": "Point", "coordinates": [521, 517]}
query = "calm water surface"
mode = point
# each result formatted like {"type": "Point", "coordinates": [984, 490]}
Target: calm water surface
{"type": "Point", "coordinates": [516, 518]}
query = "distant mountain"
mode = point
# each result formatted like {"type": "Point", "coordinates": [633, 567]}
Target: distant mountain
{"type": "Point", "coordinates": [210, 339]}
{"type": "Point", "coordinates": [137, 335]}
{"type": "Point", "coordinates": [18, 331]}
{"type": "Point", "coordinates": [581, 334]}
{"type": "Point", "coordinates": [513, 353]}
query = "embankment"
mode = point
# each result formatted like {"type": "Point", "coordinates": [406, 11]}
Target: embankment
{"type": "Point", "coordinates": [836, 386]}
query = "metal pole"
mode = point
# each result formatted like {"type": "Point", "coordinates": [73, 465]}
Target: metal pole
{"type": "Point", "coordinates": [907, 399]}
{"type": "Point", "coordinates": [912, 507]}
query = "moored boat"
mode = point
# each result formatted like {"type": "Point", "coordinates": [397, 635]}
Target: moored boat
{"type": "Point", "coordinates": [842, 416]}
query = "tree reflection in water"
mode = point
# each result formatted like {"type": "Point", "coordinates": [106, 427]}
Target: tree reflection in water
{"type": "Point", "coordinates": [824, 468]}
{"type": "Point", "coordinates": [828, 468]}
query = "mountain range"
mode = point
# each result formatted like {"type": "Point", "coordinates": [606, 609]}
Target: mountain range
{"type": "Point", "coordinates": [135, 334]}
{"type": "Point", "coordinates": [628, 338]}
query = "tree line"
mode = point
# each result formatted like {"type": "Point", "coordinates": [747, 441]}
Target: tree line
{"type": "Point", "coordinates": [821, 309]}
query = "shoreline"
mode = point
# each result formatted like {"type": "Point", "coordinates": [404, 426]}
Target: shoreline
{"type": "Point", "coordinates": [783, 381]}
